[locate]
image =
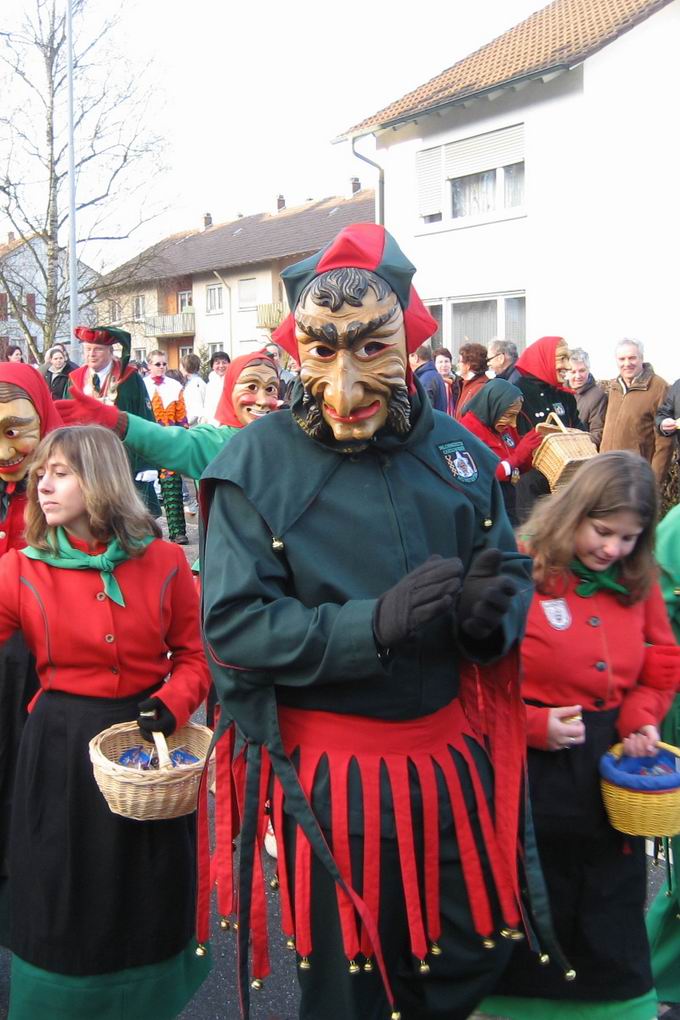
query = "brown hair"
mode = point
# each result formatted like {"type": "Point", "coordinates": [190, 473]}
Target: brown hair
{"type": "Point", "coordinates": [97, 458]}
{"type": "Point", "coordinates": [443, 351]}
{"type": "Point", "coordinates": [474, 355]}
{"type": "Point", "coordinates": [611, 483]}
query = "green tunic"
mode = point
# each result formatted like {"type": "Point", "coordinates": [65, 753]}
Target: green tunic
{"type": "Point", "coordinates": [187, 451]}
{"type": "Point", "coordinates": [663, 919]}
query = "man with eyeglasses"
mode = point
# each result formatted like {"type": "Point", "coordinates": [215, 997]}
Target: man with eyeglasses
{"type": "Point", "coordinates": [167, 404]}
{"type": "Point", "coordinates": [115, 381]}
{"type": "Point", "coordinates": [502, 355]}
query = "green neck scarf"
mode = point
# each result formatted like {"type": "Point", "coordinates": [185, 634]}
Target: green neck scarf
{"type": "Point", "coordinates": [66, 557]}
{"type": "Point", "coordinates": [593, 581]}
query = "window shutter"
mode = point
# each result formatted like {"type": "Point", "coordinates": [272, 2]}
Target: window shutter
{"type": "Point", "coordinates": [484, 152]}
{"type": "Point", "coordinates": [429, 179]}
{"type": "Point", "coordinates": [3, 306]}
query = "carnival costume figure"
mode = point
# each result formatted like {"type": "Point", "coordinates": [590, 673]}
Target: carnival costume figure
{"type": "Point", "coordinates": [363, 597]}
{"type": "Point", "coordinates": [114, 382]}
{"type": "Point", "coordinates": [167, 404]}
{"type": "Point", "coordinates": [27, 413]}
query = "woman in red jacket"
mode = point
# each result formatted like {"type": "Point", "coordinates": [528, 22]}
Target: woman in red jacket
{"type": "Point", "coordinates": [101, 906]}
{"type": "Point", "coordinates": [492, 417]}
{"type": "Point", "coordinates": [600, 664]}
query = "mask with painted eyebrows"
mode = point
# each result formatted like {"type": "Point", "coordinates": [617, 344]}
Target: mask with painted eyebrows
{"type": "Point", "coordinates": [19, 432]}
{"type": "Point", "coordinates": [353, 367]}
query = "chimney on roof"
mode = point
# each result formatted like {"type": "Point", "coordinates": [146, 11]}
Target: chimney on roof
{"type": "Point", "coordinates": [280, 203]}
{"type": "Point", "coordinates": [207, 221]}
{"type": "Point", "coordinates": [356, 184]}
{"type": "Point", "coordinates": [10, 237]}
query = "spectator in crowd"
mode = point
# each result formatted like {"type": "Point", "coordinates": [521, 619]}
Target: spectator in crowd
{"type": "Point", "coordinates": [443, 362]}
{"type": "Point", "coordinates": [194, 388]}
{"type": "Point", "coordinates": [14, 353]}
{"type": "Point", "coordinates": [635, 397]}
{"type": "Point", "coordinates": [167, 404]}
{"type": "Point", "coordinates": [540, 377]}
{"type": "Point", "coordinates": [668, 415]}
{"type": "Point", "coordinates": [56, 372]}
{"type": "Point", "coordinates": [70, 365]}
{"type": "Point", "coordinates": [427, 375]}
{"type": "Point", "coordinates": [213, 394]}
{"type": "Point", "coordinates": [591, 400]}
{"type": "Point", "coordinates": [472, 373]}
{"type": "Point", "coordinates": [287, 377]}
{"type": "Point", "coordinates": [502, 358]}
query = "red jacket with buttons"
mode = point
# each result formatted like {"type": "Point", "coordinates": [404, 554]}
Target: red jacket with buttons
{"type": "Point", "coordinates": [597, 653]}
{"type": "Point", "coordinates": [86, 644]}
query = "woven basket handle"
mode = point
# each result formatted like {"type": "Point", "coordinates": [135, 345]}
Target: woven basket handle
{"type": "Point", "coordinates": [557, 421]}
{"type": "Point", "coordinates": [162, 749]}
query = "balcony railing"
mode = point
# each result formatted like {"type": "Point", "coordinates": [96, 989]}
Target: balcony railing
{"type": "Point", "coordinates": [271, 316]}
{"type": "Point", "coordinates": [183, 324]}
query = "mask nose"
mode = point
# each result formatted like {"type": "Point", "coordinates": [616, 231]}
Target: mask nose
{"type": "Point", "coordinates": [344, 390]}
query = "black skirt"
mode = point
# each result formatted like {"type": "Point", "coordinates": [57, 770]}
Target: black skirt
{"type": "Point", "coordinates": [18, 684]}
{"type": "Point", "coordinates": [91, 892]}
{"type": "Point", "coordinates": [596, 879]}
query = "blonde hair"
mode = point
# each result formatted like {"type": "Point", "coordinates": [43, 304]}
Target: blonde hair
{"type": "Point", "coordinates": [98, 459]}
{"type": "Point", "coordinates": [611, 483]}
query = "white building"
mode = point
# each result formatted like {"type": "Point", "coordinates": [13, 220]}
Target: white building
{"type": "Point", "coordinates": [533, 183]}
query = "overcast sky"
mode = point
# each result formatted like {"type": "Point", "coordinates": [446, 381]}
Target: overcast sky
{"type": "Point", "coordinates": [251, 94]}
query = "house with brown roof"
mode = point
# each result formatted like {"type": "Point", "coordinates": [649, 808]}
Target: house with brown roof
{"type": "Point", "coordinates": [532, 183]}
{"type": "Point", "coordinates": [220, 287]}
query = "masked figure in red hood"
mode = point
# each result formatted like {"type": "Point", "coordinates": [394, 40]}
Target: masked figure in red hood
{"type": "Point", "coordinates": [348, 543]}
{"type": "Point", "coordinates": [540, 375]}
{"type": "Point", "coordinates": [27, 413]}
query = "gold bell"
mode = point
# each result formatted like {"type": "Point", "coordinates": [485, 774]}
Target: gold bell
{"type": "Point", "coordinates": [569, 975]}
{"type": "Point", "coordinates": [257, 984]}
{"type": "Point", "coordinates": [274, 883]}
{"type": "Point", "coordinates": [669, 893]}
{"type": "Point", "coordinates": [354, 967]}
{"type": "Point", "coordinates": [436, 949]}
{"type": "Point", "coordinates": [488, 943]}
{"type": "Point", "coordinates": [201, 950]}
{"type": "Point", "coordinates": [512, 933]}
{"type": "Point", "coordinates": [225, 924]}
{"type": "Point", "coordinates": [277, 544]}
{"type": "Point", "coordinates": [487, 523]}
{"type": "Point", "coordinates": [304, 963]}
{"type": "Point", "coordinates": [395, 1015]}
{"type": "Point", "coordinates": [544, 959]}
{"type": "Point", "coordinates": [424, 967]}
{"type": "Point", "coordinates": [290, 942]}
{"type": "Point", "coordinates": [368, 966]}
{"type": "Point", "coordinates": [234, 925]}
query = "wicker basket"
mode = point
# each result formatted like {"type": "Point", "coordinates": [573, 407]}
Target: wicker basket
{"type": "Point", "coordinates": [562, 451]}
{"type": "Point", "coordinates": [639, 813]}
{"type": "Point", "coordinates": [167, 792]}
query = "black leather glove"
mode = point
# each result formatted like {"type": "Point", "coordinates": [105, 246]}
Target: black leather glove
{"type": "Point", "coordinates": [162, 721]}
{"type": "Point", "coordinates": [427, 592]}
{"type": "Point", "coordinates": [485, 597]}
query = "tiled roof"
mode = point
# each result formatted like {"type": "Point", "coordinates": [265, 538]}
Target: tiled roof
{"type": "Point", "coordinates": [558, 36]}
{"type": "Point", "coordinates": [250, 239]}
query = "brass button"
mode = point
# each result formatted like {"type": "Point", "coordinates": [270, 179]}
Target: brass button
{"type": "Point", "coordinates": [109, 638]}
{"type": "Point", "coordinates": [594, 621]}
{"type": "Point", "coordinates": [676, 591]}
{"type": "Point", "coordinates": [101, 595]}
{"type": "Point", "coordinates": [487, 523]}
{"type": "Point", "coordinates": [600, 666]}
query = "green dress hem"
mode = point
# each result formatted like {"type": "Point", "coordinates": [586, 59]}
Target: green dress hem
{"type": "Point", "coordinates": [158, 991]}
{"type": "Point", "coordinates": [644, 1007]}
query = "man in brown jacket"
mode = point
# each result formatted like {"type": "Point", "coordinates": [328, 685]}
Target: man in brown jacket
{"type": "Point", "coordinates": [634, 398]}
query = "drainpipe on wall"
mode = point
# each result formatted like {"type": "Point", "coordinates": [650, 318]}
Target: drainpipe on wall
{"type": "Point", "coordinates": [380, 212]}
{"type": "Point", "coordinates": [231, 325]}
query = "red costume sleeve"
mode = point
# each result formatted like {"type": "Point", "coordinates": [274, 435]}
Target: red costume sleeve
{"type": "Point", "coordinates": [9, 594]}
{"type": "Point", "coordinates": [647, 703]}
{"type": "Point", "coordinates": [537, 727]}
{"type": "Point", "coordinates": [189, 679]}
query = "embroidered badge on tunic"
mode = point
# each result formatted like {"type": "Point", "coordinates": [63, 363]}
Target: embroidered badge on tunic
{"type": "Point", "coordinates": [559, 408]}
{"type": "Point", "coordinates": [508, 440]}
{"type": "Point", "coordinates": [557, 613]}
{"type": "Point", "coordinates": [459, 462]}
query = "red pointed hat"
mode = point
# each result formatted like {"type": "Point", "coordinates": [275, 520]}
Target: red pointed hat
{"type": "Point", "coordinates": [360, 246]}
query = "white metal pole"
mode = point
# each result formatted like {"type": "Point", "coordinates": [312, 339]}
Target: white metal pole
{"type": "Point", "coordinates": [72, 254]}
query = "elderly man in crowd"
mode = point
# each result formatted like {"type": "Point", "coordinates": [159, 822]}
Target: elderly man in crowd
{"type": "Point", "coordinates": [591, 399]}
{"type": "Point", "coordinates": [634, 400]}
{"type": "Point", "coordinates": [501, 358]}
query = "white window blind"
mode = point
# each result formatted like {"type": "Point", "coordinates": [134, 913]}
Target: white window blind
{"type": "Point", "coordinates": [429, 178]}
{"type": "Point", "coordinates": [484, 152]}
